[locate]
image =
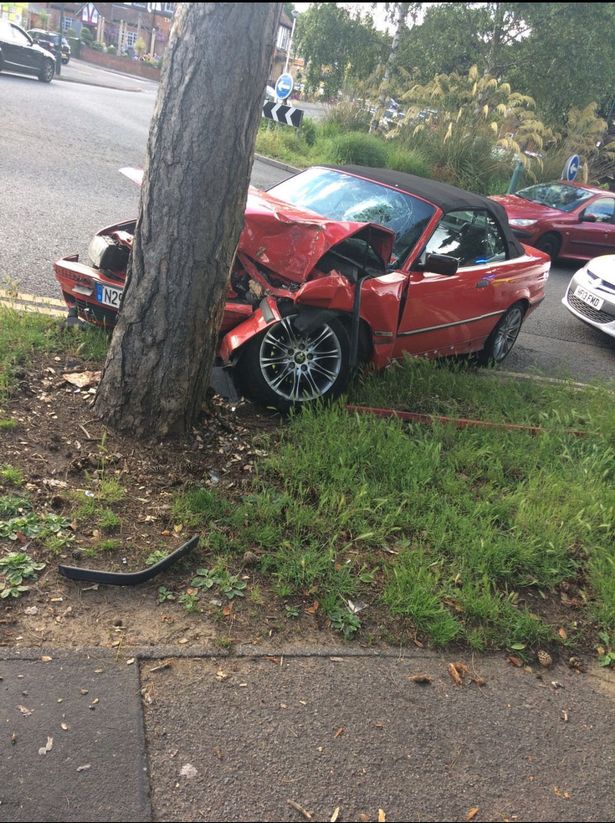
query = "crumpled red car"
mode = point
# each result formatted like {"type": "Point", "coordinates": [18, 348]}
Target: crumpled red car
{"type": "Point", "coordinates": [338, 266]}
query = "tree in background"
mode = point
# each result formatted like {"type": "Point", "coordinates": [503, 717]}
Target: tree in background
{"type": "Point", "coordinates": [561, 54]}
{"type": "Point", "coordinates": [191, 211]}
{"type": "Point", "coordinates": [337, 47]}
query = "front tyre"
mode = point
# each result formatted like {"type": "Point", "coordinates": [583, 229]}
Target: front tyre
{"type": "Point", "coordinates": [284, 367]}
{"type": "Point", "coordinates": [47, 71]}
{"type": "Point", "coordinates": [501, 340]}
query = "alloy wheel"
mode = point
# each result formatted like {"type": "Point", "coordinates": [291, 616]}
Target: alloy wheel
{"type": "Point", "coordinates": [300, 366]}
{"type": "Point", "coordinates": [507, 333]}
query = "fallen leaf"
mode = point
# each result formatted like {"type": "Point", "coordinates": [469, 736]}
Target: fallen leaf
{"type": "Point", "coordinates": [83, 379]}
{"type": "Point", "coordinates": [47, 747]}
{"type": "Point", "coordinates": [46, 659]}
{"type": "Point", "coordinates": [313, 608]}
{"type": "Point", "coordinates": [561, 793]}
{"type": "Point", "coordinates": [472, 813]}
{"type": "Point", "coordinates": [188, 771]}
{"type": "Point", "coordinates": [563, 634]}
{"type": "Point", "coordinates": [420, 678]}
{"type": "Point", "coordinates": [130, 661]}
{"type": "Point", "coordinates": [515, 661]}
{"type": "Point", "coordinates": [222, 675]}
{"type": "Point", "coordinates": [339, 732]}
{"type": "Point", "coordinates": [25, 711]}
{"type": "Point", "coordinates": [381, 816]}
{"type": "Point", "coordinates": [455, 674]}
{"type": "Point", "coordinates": [64, 726]}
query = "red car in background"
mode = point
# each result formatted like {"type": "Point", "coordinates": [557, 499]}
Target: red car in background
{"type": "Point", "coordinates": [337, 266]}
{"type": "Point", "coordinates": [563, 219]}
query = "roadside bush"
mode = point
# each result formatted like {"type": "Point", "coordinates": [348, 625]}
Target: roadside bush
{"type": "Point", "coordinates": [112, 49]}
{"type": "Point", "coordinates": [86, 35]}
{"type": "Point", "coordinates": [97, 46]}
{"type": "Point", "coordinates": [308, 131]}
{"type": "Point", "coordinates": [409, 161]}
{"type": "Point", "coordinates": [283, 142]}
{"type": "Point", "coordinates": [346, 117]}
{"type": "Point", "coordinates": [355, 148]}
{"type": "Point", "coordinates": [71, 33]}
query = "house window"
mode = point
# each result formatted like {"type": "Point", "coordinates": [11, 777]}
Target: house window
{"type": "Point", "coordinates": [67, 23]}
{"type": "Point", "coordinates": [283, 38]}
{"type": "Point", "coordinates": [131, 38]}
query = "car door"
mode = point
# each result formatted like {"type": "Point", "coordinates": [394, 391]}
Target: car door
{"type": "Point", "coordinates": [21, 55]}
{"type": "Point", "coordinates": [594, 232]}
{"type": "Point", "coordinates": [453, 314]}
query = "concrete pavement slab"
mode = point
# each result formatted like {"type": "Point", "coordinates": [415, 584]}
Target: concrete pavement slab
{"type": "Point", "coordinates": [237, 739]}
{"type": "Point", "coordinates": [87, 713]}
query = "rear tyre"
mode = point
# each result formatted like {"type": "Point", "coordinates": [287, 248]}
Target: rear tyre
{"type": "Point", "coordinates": [501, 340]}
{"type": "Point", "coordinates": [550, 243]}
{"type": "Point", "coordinates": [47, 72]}
{"type": "Point", "coordinates": [285, 368]}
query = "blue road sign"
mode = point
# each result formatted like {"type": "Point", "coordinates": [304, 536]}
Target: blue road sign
{"type": "Point", "coordinates": [571, 169]}
{"type": "Point", "coordinates": [284, 86]}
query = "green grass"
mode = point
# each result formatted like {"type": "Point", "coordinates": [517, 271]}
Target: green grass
{"type": "Point", "coordinates": [458, 532]}
{"type": "Point", "coordinates": [22, 335]}
{"type": "Point", "coordinates": [11, 475]}
{"type": "Point", "coordinates": [7, 424]}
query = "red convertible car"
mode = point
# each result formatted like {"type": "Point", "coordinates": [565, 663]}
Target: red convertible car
{"type": "Point", "coordinates": [563, 219]}
{"type": "Point", "coordinates": [337, 266]}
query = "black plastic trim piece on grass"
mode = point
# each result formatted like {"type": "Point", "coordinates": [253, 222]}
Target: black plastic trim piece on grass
{"type": "Point", "coordinates": [127, 578]}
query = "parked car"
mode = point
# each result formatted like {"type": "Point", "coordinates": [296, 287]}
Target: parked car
{"type": "Point", "coordinates": [563, 219]}
{"type": "Point", "coordinates": [49, 40]}
{"type": "Point", "coordinates": [590, 295]}
{"type": "Point", "coordinates": [19, 53]}
{"type": "Point", "coordinates": [338, 265]}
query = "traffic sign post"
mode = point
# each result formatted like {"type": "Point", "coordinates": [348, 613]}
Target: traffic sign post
{"type": "Point", "coordinates": [571, 169]}
{"type": "Point", "coordinates": [284, 86]}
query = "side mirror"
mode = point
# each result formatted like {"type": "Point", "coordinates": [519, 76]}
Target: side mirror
{"type": "Point", "coordinates": [441, 264]}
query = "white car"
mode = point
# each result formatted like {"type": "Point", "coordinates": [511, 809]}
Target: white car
{"type": "Point", "coordinates": [590, 295]}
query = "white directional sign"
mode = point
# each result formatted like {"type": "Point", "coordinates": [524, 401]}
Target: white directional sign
{"type": "Point", "coordinates": [283, 114]}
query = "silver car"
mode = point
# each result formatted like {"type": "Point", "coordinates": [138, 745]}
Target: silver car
{"type": "Point", "coordinates": [591, 294]}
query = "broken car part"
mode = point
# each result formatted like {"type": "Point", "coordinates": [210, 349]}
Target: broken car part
{"type": "Point", "coordinates": [127, 578]}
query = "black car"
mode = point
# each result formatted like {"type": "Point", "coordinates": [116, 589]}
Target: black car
{"type": "Point", "coordinates": [18, 52]}
{"type": "Point", "coordinates": [49, 40]}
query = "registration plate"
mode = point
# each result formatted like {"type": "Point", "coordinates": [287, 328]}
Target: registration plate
{"type": "Point", "coordinates": [108, 295]}
{"type": "Point", "coordinates": [587, 297]}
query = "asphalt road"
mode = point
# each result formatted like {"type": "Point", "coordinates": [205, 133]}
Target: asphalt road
{"type": "Point", "coordinates": [61, 147]}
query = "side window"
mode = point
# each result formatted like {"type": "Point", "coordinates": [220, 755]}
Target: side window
{"type": "Point", "coordinates": [472, 237]}
{"type": "Point", "coordinates": [602, 209]}
{"type": "Point", "coordinates": [19, 37]}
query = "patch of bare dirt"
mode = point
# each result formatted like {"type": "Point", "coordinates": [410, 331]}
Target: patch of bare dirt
{"type": "Point", "coordinates": [63, 451]}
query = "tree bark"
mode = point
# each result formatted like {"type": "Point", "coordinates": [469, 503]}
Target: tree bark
{"type": "Point", "coordinates": [197, 169]}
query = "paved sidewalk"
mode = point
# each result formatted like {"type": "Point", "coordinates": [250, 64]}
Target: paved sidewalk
{"type": "Point", "coordinates": [79, 71]}
{"type": "Point", "coordinates": [273, 738]}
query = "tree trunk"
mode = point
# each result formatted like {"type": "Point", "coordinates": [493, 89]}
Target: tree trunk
{"type": "Point", "coordinates": [197, 169]}
{"type": "Point", "coordinates": [402, 10]}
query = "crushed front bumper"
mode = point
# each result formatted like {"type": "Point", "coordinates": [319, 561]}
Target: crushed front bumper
{"type": "Point", "coordinates": [78, 283]}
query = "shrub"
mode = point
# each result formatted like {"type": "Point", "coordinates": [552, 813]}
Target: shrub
{"type": "Point", "coordinates": [71, 33]}
{"type": "Point", "coordinates": [86, 35]}
{"type": "Point", "coordinates": [112, 49]}
{"type": "Point", "coordinates": [308, 131]}
{"type": "Point", "coordinates": [346, 117]}
{"type": "Point", "coordinates": [356, 148]}
{"type": "Point", "coordinates": [409, 161]}
{"type": "Point", "coordinates": [97, 46]}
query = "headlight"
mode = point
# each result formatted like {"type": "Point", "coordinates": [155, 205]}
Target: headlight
{"type": "Point", "coordinates": [97, 248]}
{"type": "Point", "coordinates": [521, 222]}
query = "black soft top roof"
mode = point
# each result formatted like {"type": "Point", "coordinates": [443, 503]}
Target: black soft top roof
{"type": "Point", "coordinates": [448, 198]}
